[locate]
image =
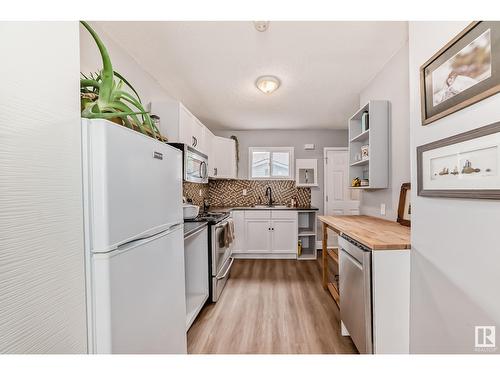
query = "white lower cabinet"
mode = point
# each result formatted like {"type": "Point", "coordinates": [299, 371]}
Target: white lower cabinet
{"type": "Point", "coordinates": [258, 234]}
{"type": "Point", "coordinates": [265, 234]}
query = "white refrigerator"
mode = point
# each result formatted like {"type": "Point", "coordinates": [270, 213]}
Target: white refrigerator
{"type": "Point", "coordinates": [134, 241]}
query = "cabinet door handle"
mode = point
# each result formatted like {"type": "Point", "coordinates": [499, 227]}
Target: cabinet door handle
{"type": "Point", "coordinates": [193, 141]}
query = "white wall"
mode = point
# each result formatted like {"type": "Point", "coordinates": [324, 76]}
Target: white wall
{"type": "Point", "coordinates": [455, 256]}
{"type": "Point", "coordinates": [293, 138]}
{"type": "Point", "coordinates": [90, 61]}
{"type": "Point", "coordinates": [42, 275]}
{"type": "Point", "coordinates": [391, 83]}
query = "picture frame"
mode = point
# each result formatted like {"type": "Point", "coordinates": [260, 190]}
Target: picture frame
{"type": "Point", "coordinates": [465, 71]}
{"type": "Point", "coordinates": [465, 165]}
{"type": "Point", "coordinates": [404, 207]}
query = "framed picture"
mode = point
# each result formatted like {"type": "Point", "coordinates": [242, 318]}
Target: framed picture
{"type": "Point", "coordinates": [462, 166]}
{"type": "Point", "coordinates": [463, 72]}
{"type": "Point", "coordinates": [404, 208]}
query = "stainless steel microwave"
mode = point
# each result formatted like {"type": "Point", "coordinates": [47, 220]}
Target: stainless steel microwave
{"type": "Point", "coordinates": [195, 164]}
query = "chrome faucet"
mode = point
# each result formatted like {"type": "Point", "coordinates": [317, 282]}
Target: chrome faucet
{"type": "Point", "coordinates": [269, 194]}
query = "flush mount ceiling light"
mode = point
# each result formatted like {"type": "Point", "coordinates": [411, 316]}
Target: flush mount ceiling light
{"type": "Point", "coordinates": [267, 84]}
{"type": "Point", "coordinates": [261, 25]}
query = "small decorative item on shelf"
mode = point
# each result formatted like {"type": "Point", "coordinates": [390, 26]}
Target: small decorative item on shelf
{"type": "Point", "coordinates": [365, 123]}
{"type": "Point", "coordinates": [299, 248]}
{"type": "Point", "coordinates": [356, 182]}
{"type": "Point", "coordinates": [364, 152]}
{"type": "Point", "coordinates": [357, 156]}
{"type": "Point", "coordinates": [365, 182]}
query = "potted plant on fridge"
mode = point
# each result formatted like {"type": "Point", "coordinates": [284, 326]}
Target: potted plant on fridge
{"type": "Point", "coordinates": [103, 95]}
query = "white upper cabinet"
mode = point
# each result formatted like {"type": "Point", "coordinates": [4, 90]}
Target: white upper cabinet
{"type": "Point", "coordinates": [178, 124]}
{"type": "Point", "coordinates": [210, 140]}
{"type": "Point", "coordinates": [224, 154]}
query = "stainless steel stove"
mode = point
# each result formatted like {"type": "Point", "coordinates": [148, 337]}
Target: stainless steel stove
{"type": "Point", "coordinates": [210, 217]}
{"type": "Point", "coordinates": [220, 257]}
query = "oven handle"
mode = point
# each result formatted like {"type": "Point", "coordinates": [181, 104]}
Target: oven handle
{"type": "Point", "coordinates": [221, 224]}
{"type": "Point", "coordinates": [227, 271]}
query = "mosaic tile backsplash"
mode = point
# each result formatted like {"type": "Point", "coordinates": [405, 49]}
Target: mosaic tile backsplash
{"type": "Point", "coordinates": [229, 193]}
{"type": "Point", "coordinates": [192, 191]}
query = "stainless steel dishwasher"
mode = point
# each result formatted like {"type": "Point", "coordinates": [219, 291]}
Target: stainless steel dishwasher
{"type": "Point", "coordinates": [355, 292]}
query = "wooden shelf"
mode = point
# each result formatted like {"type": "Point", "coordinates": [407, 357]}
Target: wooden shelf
{"type": "Point", "coordinates": [333, 254]}
{"type": "Point", "coordinates": [332, 288]}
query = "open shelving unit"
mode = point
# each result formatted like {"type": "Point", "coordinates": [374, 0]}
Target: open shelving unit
{"type": "Point", "coordinates": [374, 168]}
{"type": "Point", "coordinates": [307, 231]}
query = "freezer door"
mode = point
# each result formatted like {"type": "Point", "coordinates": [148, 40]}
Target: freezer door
{"type": "Point", "coordinates": [132, 184]}
{"type": "Point", "coordinates": [139, 298]}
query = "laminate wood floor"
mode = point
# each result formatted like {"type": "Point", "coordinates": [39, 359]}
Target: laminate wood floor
{"type": "Point", "coordinates": [271, 306]}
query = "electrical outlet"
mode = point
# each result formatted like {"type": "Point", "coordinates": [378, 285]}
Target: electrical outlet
{"type": "Point", "coordinates": [200, 193]}
{"type": "Point", "coordinates": [244, 192]}
{"type": "Point", "coordinates": [382, 209]}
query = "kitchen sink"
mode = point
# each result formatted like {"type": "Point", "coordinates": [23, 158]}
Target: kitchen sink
{"type": "Point", "coordinates": [265, 206]}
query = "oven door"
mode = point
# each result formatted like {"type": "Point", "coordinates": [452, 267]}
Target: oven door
{"type": "Point", "coordinates": [195, 166]}
{"type": "Point", "coordinates": [220, 253]}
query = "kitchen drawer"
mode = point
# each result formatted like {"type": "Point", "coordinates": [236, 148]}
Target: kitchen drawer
{"type": "Point", "coordinates": [281, 214]}
{"type": "Point", "coordinates": [258, 214]}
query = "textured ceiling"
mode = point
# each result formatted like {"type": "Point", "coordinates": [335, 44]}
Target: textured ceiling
{"type": "Point", "coordinates": [212, 67]}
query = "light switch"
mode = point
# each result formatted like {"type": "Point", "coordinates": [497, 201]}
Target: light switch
{"type": "Point", "coordinates": [244, 192]}
{"type": "Point", "coordinates": [382, 209]}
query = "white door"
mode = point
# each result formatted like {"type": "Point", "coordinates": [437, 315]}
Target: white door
{"type": "Point", "coordinates": [139, 297]}
{"type": "Point", "coordinates": [258, 235]}
{"type": "Point", "coordinates": [284, 238]}
{"type": "Point", "coordinates": [339, 198]}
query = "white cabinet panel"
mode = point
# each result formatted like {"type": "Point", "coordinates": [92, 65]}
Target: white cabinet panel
{"type": "Point", "coordinates": [210, 151]}
{"type": "Point", "coordinates": [225, 157]}
{"type": "Point", "coordinates": [284, 235]}
{"type": "Point", "coordinates": [258, 235]}
{"type": "Point", "coordinates": [239, 244]}
{"type": "Point", "coordinates": [178, 124]}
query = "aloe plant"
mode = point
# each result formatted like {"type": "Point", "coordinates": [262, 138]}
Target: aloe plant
{"type": "Point", "coordinates": [104, 97]}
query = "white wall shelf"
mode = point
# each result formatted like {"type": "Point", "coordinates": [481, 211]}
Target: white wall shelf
{"type": "Point", "coordinates": [306, 172]}
{"type": "Point", "coordinates": [375, 167]}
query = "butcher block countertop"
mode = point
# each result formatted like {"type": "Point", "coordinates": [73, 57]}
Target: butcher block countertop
{"type": "Point", "coordinates": [374, 233]}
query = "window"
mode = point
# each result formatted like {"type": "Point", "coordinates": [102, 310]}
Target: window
{"type": "Point", "coordinates": [270, 163]}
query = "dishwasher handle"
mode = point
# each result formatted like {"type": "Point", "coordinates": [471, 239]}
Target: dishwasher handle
{"type": "Point", "coordinates": [354, 242]}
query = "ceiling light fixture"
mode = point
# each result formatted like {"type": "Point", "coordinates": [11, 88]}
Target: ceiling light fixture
{"type": "Point", "coordinates": [267, 84]}
{"type": "Point", "coordinates": [261, 25]}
